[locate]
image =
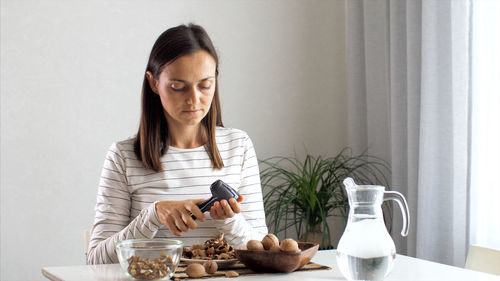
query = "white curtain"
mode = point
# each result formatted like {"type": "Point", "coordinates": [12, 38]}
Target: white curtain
{"type": "Point", "coordinates": [408, 73]}
{"type": "Point", "coordinates": [485, 147]}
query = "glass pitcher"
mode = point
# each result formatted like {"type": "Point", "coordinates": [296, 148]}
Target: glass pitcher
{"type": "Point", "coordinates": [366, 250]}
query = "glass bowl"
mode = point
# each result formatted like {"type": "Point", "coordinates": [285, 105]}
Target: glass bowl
{"type": "Point", "coordinates": [149, 259]}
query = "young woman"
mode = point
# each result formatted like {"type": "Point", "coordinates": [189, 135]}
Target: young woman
{"type": "Point", "coordinates": [150, 184]}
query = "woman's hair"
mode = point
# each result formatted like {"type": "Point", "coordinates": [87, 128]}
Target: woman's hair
{"type": "Point", "coordinates": [151, 142]}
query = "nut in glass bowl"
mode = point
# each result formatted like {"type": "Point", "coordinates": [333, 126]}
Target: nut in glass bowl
{"type": "Point", "coordinates": [149, 259]}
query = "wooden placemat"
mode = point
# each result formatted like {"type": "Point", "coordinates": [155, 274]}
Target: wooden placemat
{"type": "Point", "coordinates": [241, 269]}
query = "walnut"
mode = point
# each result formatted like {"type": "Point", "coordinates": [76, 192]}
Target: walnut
{"type": "Point", "coordinates": [255, 245]}
{"type": "Point", "coordinates": [275, 248]}
{"type": "Point", "coordinates": [195, 270]}
{"type": "Point", "coordinates": [215, 248]}
{"type": "Point", "coordinates": [149, 269]}
{"type": "Point", "coordinates": [211, 251]}
{"type": "Point", "coordinates": [289, 245]}
{"type": "Point", "coordinates": [210, 267]}
{"type": "Point", "coordinates": [269, 241]}
{"type": "Point", "coordinates": [232, 274]}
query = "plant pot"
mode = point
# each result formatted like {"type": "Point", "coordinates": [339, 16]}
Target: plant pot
{"type": "Point", "coordinates": [315, 235]}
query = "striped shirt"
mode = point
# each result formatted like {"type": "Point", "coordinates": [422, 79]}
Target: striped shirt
{"type": "Point", "coordinates": [127, 193]}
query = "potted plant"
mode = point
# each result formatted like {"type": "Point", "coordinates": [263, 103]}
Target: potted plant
{"type": "Point", "coordinates": [303, 194]}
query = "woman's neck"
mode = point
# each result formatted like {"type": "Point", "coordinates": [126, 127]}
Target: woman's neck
{"type": "Point", "coordinates": [187, 136]}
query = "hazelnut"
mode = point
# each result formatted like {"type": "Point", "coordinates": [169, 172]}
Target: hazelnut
{"type": "Point", "coordinates": [289, 245]}
{"type": "Point", "coordinates": [269, 241]}
{"type": "Point", "coordinates": [255, 245]}
{"type": "Point", "coordinates": [195, 270]}
{"type": "Point", "coordinates": [232, 273]}
{"type": "Point", "coordinates": [210, 267]}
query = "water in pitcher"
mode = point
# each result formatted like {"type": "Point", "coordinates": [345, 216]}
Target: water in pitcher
{"type": "Point", "coordinates": [367, 252]}
{"type": "Point", "coordinates": [356, 268]}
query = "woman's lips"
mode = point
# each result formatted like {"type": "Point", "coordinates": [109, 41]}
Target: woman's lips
{"type": "Point", "coordinates": [191, 111]}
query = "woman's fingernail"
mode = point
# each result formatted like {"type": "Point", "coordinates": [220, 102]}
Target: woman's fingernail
{"type": "Point", "coordinates": [224, 203]}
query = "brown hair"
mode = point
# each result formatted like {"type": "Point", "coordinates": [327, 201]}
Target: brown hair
{"type": "Point", "coordinates": [151, 142]}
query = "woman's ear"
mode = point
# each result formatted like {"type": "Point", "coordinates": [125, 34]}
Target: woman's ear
{"type": "Point", "coordinates": [152, 81]}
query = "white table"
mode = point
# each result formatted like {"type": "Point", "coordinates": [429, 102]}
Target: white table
{"type": "Point", "coordinates": [405, 268]}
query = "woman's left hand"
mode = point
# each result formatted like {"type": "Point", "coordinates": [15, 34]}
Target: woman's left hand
{"type": "Point", "coordinates": [224, 209]}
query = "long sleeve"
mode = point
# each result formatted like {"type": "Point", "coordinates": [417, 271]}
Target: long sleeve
{"type": "Point", "coordinates": [128, 192]}
{"type": "Point", "coordinates": [112, 221]}
{"type": "Point", "coordinates": [250, 223]}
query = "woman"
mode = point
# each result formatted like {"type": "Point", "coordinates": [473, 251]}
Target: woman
{"type": "Point", "coordinates": [150, 184]}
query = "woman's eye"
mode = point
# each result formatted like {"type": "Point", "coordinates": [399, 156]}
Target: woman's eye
{"type": "Point", "coordinates": [206, 85]}
{"type": "Point", "coordinates": [177, 86]}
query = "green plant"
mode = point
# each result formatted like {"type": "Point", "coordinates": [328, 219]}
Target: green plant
{"type": "Point", "coordinates": [303, 194]}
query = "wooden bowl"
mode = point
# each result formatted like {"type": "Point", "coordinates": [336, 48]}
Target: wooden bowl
{"type": "Point", "coordinates": [277, 261]}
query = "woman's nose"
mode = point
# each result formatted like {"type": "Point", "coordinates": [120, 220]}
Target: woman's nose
{"type": "Point", "coordinates": [192, 96]}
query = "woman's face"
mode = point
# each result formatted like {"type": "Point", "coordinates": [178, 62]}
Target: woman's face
{"type": "Point", "coordinates": [186, 88]}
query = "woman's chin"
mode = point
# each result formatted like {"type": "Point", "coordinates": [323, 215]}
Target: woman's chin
{"type": "Point", "coordinates": [192, 122]}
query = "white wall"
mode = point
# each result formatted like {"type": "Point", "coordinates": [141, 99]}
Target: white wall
{"type": "Point", "coordinates": [70, 85]}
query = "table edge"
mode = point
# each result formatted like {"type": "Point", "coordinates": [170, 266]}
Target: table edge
{"type": "Point", "coordinates": [50, 276]}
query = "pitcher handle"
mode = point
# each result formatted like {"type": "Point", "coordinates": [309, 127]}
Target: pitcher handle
{"type": "Point", "coordinates": [400, 199]}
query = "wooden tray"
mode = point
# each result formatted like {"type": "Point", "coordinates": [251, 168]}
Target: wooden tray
{"type": "Point", "coordinates": [241, 269]}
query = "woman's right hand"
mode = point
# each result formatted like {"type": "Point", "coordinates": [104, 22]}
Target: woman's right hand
{"type": "Point", "coordinates": [176, 215]}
